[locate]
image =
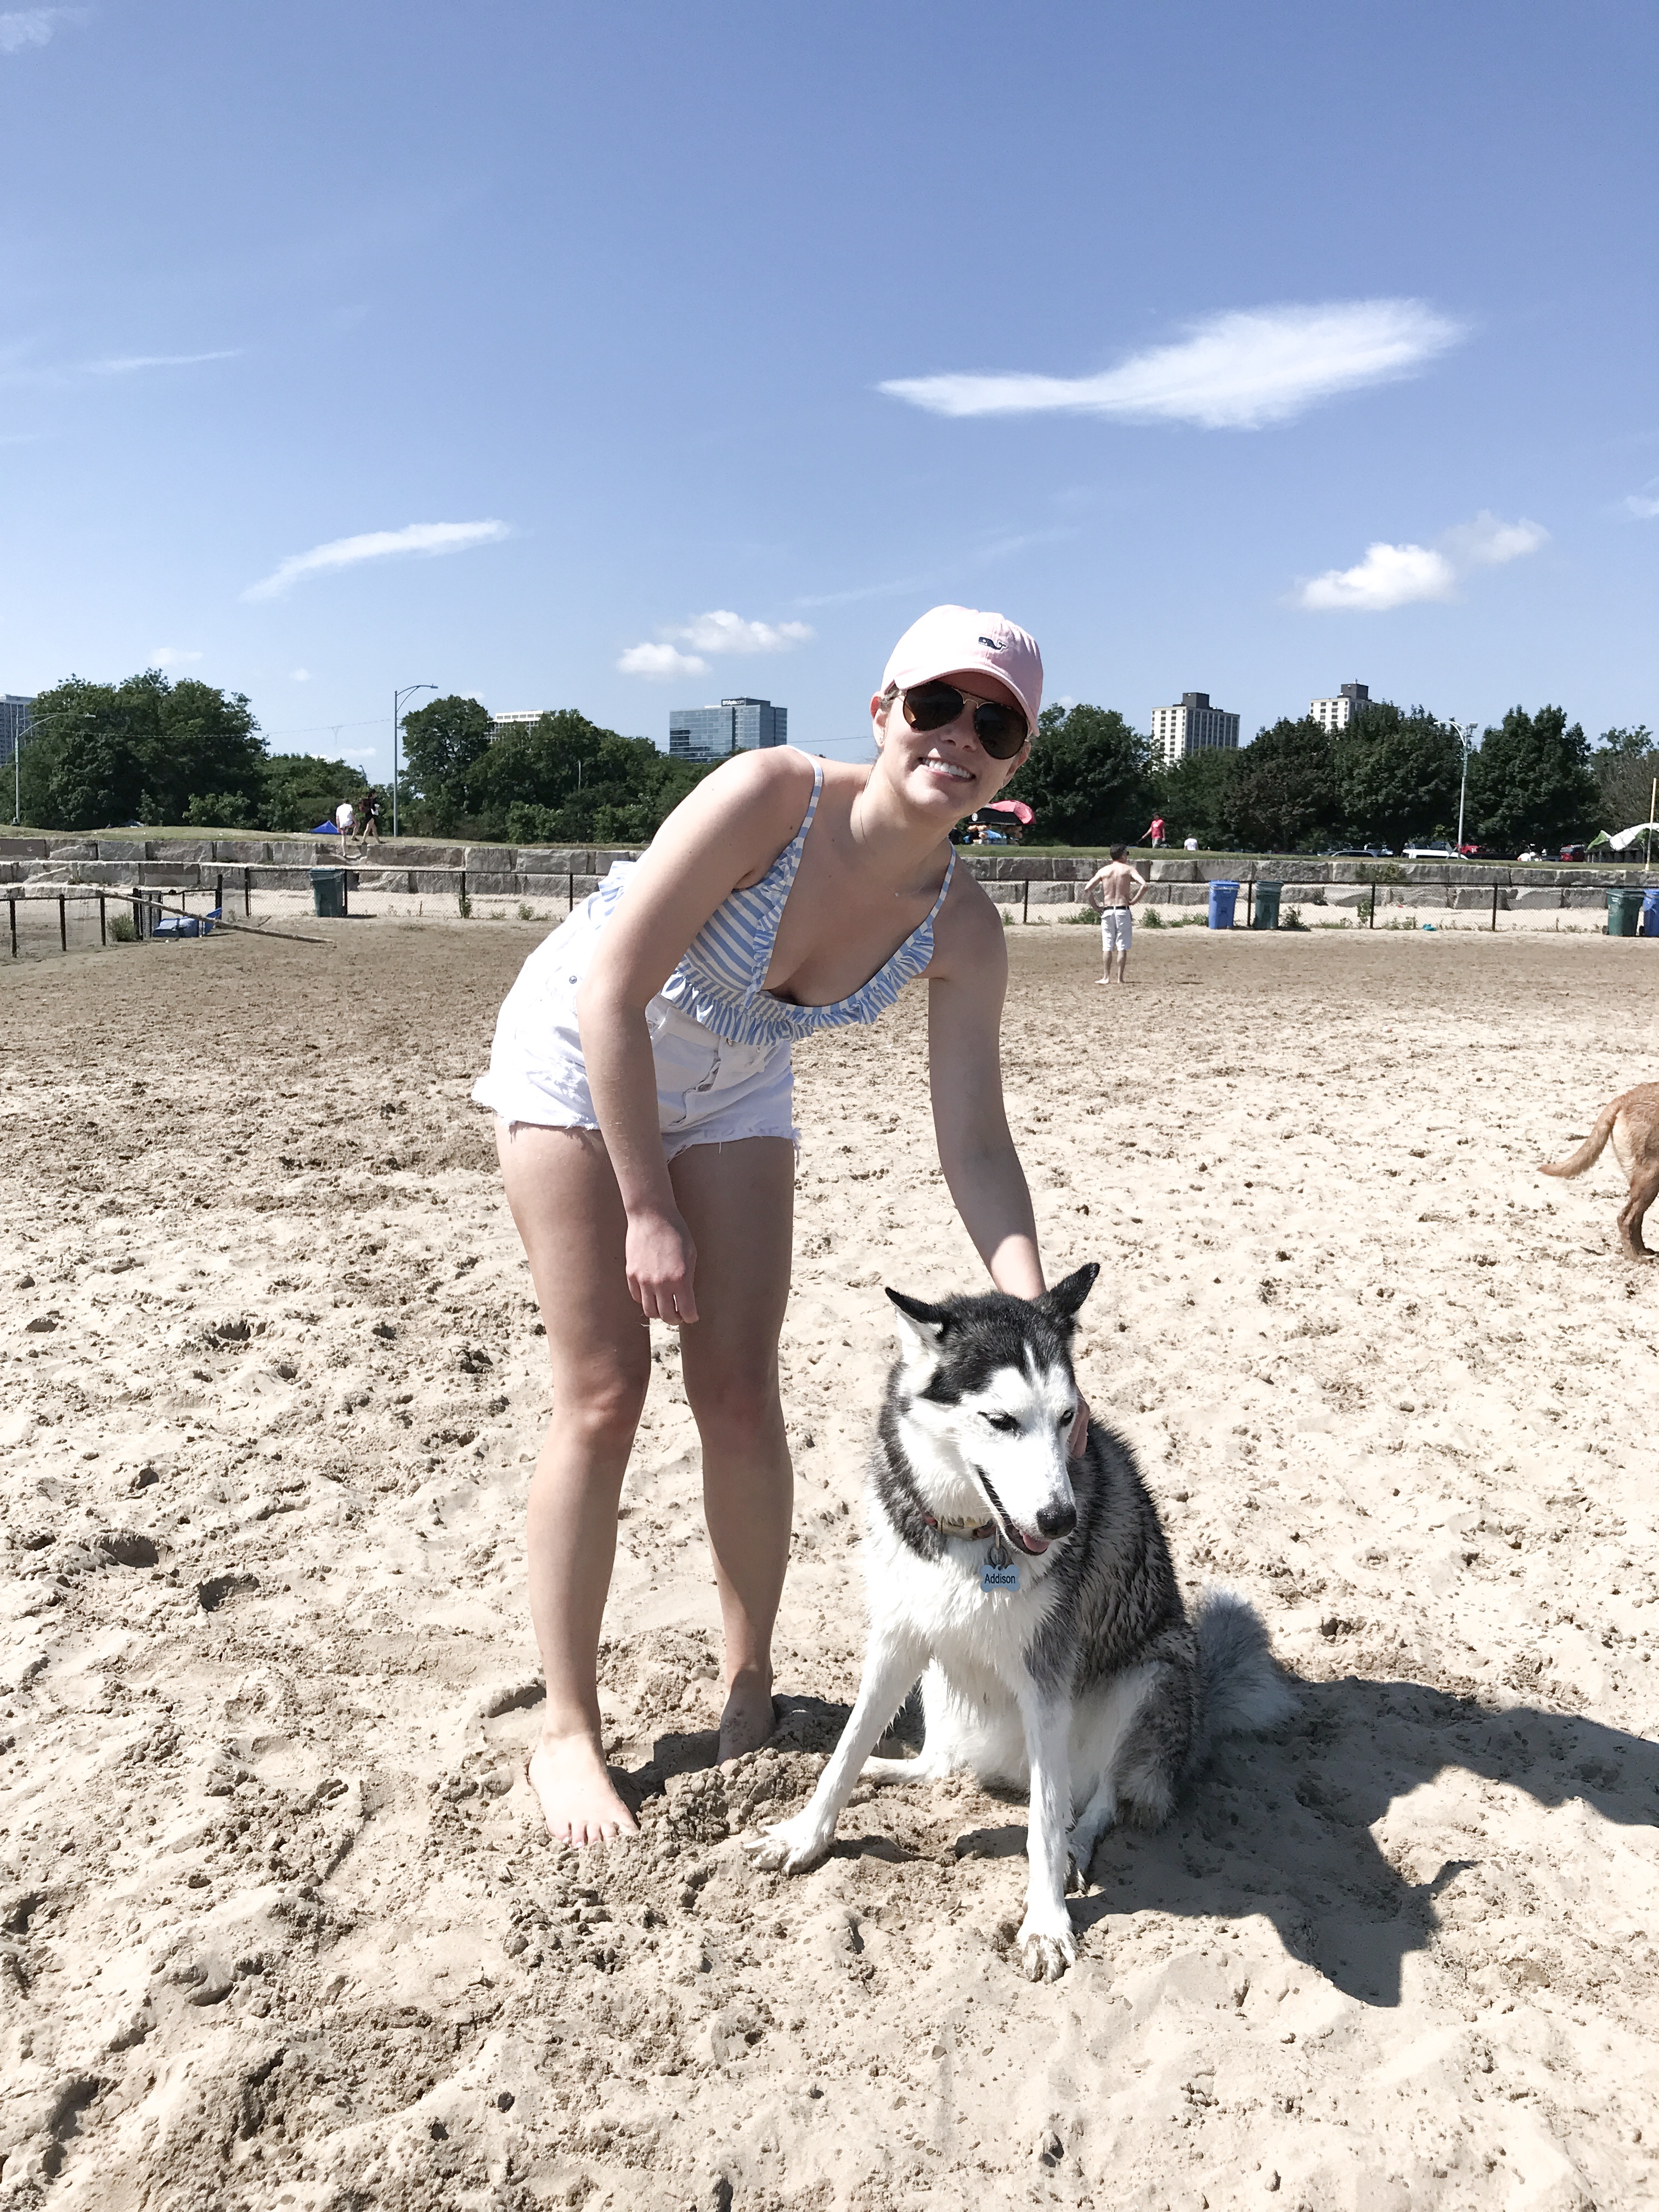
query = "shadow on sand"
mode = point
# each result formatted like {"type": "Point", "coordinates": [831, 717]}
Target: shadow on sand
{"type": "Point", "coordinates": [1280, 1825]}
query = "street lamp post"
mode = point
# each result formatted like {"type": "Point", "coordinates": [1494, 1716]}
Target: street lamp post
{"type": "Point", "coordinates": [397, 698]}
{"type": "Point", "coordinates": [1465, 731]}
{"type": "Point", "coordinates": [28, 728]}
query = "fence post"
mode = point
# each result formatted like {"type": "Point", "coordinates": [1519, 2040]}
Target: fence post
{"type": "Point", "coordinates": [570, 901]}
{"type": "Point", "coordinates": [1371, 924]}
{"type": "Point", "coordinates": [11, 904]}
{"type": "Point", "coordinates": [62, 922]}
{"type": "Point", "coordinates": [1250, 902]}
{"type": "Point", "coordinates": [1026, 899]}
{"type": "Point", "coordinates": [103, 931]}
{"type": "Point", "coordinates": [219, 894]}
{"type": "Point", "coordinates": [1494, 903]}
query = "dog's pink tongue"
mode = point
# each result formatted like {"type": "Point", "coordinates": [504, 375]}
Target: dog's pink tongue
{"type": "Point", "coordinates": [1037, 1545]}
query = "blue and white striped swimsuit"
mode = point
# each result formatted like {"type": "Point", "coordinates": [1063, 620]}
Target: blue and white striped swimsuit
{"type": "Point", "coordinates": [720, 1039]}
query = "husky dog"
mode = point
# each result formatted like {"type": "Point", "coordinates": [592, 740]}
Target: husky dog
{"type": "Point", "coordinates": [1035, 1599]}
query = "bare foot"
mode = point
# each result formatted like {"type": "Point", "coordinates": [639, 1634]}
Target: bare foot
{"type": "Point", "coordinates": [578, 1798]}
{"type": "Point", "coordinates": [750, 1717]}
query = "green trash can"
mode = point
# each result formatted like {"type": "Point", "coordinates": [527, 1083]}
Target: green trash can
{"type": "Point", "coordinates": [1265, 913]}
{"type": "Point", "coordinates": [1623, 913]}
{"type": "Point", "coordinates": [328, 893]}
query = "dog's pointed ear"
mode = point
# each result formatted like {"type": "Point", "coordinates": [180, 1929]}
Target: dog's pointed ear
{"type": "Point", "coordinates": [1060, 1302]}
{"type": "Point", "coordinates": [921, 1326]}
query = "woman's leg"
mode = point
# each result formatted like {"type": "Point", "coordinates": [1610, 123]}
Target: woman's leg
{"type": "Point", "coordinates": [569, 1211]}
{"type": "Point", "coordinates": [738, 1203]}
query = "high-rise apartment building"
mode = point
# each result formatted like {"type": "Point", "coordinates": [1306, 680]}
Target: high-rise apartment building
{"type": "Point", "coordinates": [736, 726]}
{"type": "Point", "coordinates": [14, 724]}
{"type": "Point", "coordinates": [1193, 726]}
{"type": "Point", "coordinates": [516, 718]}
{"type": "Point", "coordinates": [1336, 714]}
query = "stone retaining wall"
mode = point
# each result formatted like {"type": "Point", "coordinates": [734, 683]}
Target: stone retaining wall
{"type": "Point", "coordinates": [1030, 880]}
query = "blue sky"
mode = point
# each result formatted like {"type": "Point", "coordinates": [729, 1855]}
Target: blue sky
{"type": "Point", "coordinates": [538, 352]}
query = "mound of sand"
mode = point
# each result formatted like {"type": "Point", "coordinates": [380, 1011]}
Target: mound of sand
{"type": "Point", "coordinates": [278, 1927]}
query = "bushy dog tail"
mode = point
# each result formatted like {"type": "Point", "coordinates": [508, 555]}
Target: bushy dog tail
{"type": "Point", "coordinates": [1242, 1686]}
{"type": "Point", "coordinates": [1590, 1150]}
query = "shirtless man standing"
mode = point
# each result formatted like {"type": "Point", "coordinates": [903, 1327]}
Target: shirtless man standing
{"type": "Point", "coordinates": [1115, 891]}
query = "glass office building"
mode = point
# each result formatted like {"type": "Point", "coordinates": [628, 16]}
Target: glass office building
{"type": "Point", "coordinates": [14, 725]}
{"type": "Point", "coordinates": [736, 726]}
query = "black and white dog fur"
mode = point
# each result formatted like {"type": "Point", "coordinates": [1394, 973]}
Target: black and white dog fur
{"type": "Point", "coordinates": [1090, 1683]}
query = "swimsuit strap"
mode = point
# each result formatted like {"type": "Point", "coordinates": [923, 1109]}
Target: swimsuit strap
{"type": "Point", "coordinates": [949, 869]}
{"type": "Point", "coordinates": [796, 843]}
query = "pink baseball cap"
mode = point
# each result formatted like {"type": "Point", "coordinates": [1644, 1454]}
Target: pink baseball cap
{"type": "Point", "coordinates": [950, 639]}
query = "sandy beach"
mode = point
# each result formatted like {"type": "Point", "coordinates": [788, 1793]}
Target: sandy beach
{"type": "Point", "coordinates": [279, 1928]}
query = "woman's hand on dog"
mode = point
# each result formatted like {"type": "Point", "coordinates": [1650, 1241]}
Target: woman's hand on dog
{"type": "Point", "coordinates": [661, 1261]}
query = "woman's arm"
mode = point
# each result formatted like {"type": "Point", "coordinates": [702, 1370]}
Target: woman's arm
{"type": "Point", "coordinates": [982, 1169]}
{"type": "Point", "coordinates": [967, 981]}
{"type": "Point", "coordinates": [729, 829]}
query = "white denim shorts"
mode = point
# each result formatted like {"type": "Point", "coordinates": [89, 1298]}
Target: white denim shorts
{"type": "Point", "coordinates": [708, 1091]}
{"type": "Point", "coordinates": [1117, 929]}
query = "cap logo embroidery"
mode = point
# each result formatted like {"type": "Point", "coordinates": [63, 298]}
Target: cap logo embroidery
{"type": "Point", "coordinates": [996, 644]}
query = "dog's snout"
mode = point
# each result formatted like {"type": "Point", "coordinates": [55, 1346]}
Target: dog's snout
{"type": "Point", "coordinates": [1056, 1521]}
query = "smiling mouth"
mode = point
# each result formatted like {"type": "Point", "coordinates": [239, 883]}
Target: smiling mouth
{"type": "Point", "coordinates": [935, 765]}
{"type": "Point", "coordinates": [1033, 1547]}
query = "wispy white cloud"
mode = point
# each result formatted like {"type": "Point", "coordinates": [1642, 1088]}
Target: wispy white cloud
{"type": "Point", "coordinates": [299, 676]}
{"type": "Point", "coordinates": [1400, 575]}
{"type": "Point", "coordinates": [172, 656]}
{"type": "Point", "coordinates": [716, 633]}
{"type": "Point", "coordinates": [660, 662]}
{"type": "Point", "coordinates": [1642, 504]}
{"type": "Point", "coordinates": [1231, 372]}
{"type": "Point", "coordinates": [33, 27]}
{"type": "Point", "coordinates": [429, 537]}
{"type": "Point", "coordinates": [724, 632]}
{"type": "Point", "coordinates": [128, 364]}
{"type": "Point", "coordinates": [1486, 542]}
{"type": "Point", "coordinates": [1388, 576]}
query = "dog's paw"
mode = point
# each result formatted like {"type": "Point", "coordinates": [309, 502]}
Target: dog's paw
{"type": "Point", "coordinates": [1046, 1946]}
{"type": "Point", "coordinates": [789, 1846]}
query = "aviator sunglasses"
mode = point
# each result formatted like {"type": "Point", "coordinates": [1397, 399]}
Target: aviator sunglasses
{"type": "Point", "coordinates": [1001, 730]}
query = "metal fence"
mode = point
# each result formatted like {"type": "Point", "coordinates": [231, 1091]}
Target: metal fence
{"type": "Point", "coordinates": [39, 923]}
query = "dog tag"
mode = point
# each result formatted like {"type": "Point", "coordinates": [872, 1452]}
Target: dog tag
{"type": "Point", "coordinates": [998, 1571]}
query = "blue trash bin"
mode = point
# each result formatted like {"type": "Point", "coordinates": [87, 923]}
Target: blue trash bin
{"type": "Point", "coordinates": [1223, 899]}
{"type": "Point", "coordinates": [1650, 914]}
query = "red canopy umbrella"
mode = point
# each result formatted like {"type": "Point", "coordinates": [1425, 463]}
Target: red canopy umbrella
{"type": "Point", "coordinates": [1014, 806]}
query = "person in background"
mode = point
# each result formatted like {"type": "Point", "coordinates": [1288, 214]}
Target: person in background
{"type": "Point", "coordinates": [369, 814]}
{"type": "Point", "coordinates": [1192, 845]}
{"type": "Point", "coordinates": [1154, 835]}
{"type": "Point", "coordinates": [1114, 890]}
{"type": "Point", "coordinates": [345, 819]}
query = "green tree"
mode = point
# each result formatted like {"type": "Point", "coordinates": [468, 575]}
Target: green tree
{"type": "Point", "coordinates": [1626, 765]}
{"type": "Point", "coordinates": [443, 746]}
{"type": "Point", "coordinates": [1283, 796]}
{"type": "Point", "coordinates": [302, 790]}
{"type": "Point", "coordinates": [1087, 778]}
{"type": "Point", "coordinates": [1195, 797]}
{"type": "Point", "coordinates": [145, 749]}
{"type": "Point", "coordinates": [1397, 775]}
{"type": "Point", "coordinates": [1531, 783]}
{"type": "Point", "coordinates": [565, 780]}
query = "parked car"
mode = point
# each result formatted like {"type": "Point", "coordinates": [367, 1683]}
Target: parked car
{"type": "Point", "coordinates": [1379, 852]}
{"type": "Point", "coordinates": [1573, 852]}
{"type": "Point", "coordinates": [1430, 853]}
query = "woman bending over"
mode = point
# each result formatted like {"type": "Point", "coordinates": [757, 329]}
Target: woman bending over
{"type": "Point", "coordinates": [640, 1080]}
